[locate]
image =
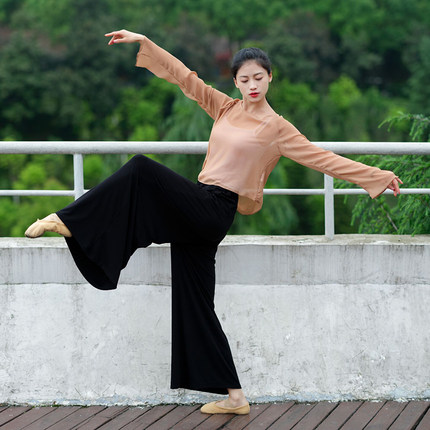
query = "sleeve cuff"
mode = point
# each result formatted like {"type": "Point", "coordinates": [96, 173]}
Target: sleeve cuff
{"type": "Point", "coordinates": [378, 190]}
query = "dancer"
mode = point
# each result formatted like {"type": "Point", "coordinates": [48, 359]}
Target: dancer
{"type": "Point", "coordinates": [144, 202]}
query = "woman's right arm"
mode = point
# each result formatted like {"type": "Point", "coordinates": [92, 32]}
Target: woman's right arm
{"type": "Point", "coordinates": [166, 66]}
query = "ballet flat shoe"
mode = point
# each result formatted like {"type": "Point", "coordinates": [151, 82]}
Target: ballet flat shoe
{"type": "Point", "coordinates": [41, 225]}
{"type": "Point", "coordinates": [213, 408]}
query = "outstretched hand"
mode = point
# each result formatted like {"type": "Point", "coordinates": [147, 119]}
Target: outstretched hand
{"type": "Point", "coordinates": [394, 186]}
{"type": "Point", "coordinates": [124, 36]}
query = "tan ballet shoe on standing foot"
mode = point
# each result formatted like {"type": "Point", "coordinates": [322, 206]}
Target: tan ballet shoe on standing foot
{"type": "Point", "coordinates": [47, 224]}
{"type": "Point", "coordinates": [213, 408]}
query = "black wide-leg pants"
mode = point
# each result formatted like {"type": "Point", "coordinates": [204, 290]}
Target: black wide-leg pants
{"type": "Point", "coordinates": [144, 202]}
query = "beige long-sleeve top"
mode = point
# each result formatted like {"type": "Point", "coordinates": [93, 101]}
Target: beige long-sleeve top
{"type": "Point", "coordinates": [243, 149]}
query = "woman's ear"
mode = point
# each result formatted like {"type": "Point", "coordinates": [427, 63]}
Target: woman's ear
{"type": "Point", "coordinates": [235, 82]}
{"type": "Point", "coordinates": [270, 77]}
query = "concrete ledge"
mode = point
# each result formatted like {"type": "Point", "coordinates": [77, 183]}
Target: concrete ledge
{"type": "Point", "coordinates": [307, 319]}
{"type": "Point", "coordinates": [262, 260]}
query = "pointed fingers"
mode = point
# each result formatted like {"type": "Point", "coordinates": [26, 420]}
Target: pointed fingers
{"type": "Point", "coordinates": [395, 187]}
{"type": "Point", "coordinates": [116, 37]}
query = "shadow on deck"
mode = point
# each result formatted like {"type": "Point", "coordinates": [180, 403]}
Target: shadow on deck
{"type": "Point", "coordinates": [282, 416]}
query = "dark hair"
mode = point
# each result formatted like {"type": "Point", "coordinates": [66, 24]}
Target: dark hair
{"type": "Point", "coordinates": [248, 54]}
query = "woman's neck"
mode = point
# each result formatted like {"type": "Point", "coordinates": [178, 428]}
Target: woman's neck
{"type": "Point", "coordinates": [259, 109]}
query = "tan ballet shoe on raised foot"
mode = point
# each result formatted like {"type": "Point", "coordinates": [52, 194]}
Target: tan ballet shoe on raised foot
{"type": "Point", "coordinates": [213, 408]}
{"type": "Point", "coordinates": [47, 224]}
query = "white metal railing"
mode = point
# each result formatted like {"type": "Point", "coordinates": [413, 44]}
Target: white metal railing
{"type": "Point", "coordinates": [125, 147]}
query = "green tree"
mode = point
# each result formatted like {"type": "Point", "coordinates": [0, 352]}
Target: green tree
{"type": "Point", "coordinates": [409, 214]}
{"type": "Point", "coordinates": [302, 49]}
{"type": "Point", "coordinates": [419, 82]}
{"type": "Point", "coordinates": [297, 103]}
{"type": "Point", "coordinates": [187, 122]}
{"type": "Point", "coordinates": [35, 172]}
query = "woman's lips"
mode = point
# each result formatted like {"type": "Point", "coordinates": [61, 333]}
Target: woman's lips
{"type": "Point", "coordinates": [254, 94]}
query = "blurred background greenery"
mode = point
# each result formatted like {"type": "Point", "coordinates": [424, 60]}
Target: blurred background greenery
{"type": "Point", "coordinates": [340, 69]}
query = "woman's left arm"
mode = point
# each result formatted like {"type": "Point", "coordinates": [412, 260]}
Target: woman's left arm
{"type": "Point", "coordinates": [294, 145]}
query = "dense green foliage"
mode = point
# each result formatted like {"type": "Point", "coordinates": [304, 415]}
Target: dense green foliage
{"type": "Point", "coordinates": [409, 214]}
{"type": "Point", "coordinates": [340, 69]}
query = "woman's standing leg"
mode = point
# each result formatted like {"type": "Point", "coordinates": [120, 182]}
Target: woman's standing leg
{"type": "Point", "coordinates": [201, 356]}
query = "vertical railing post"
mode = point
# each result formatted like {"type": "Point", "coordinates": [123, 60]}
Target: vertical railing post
{"type": "Point", "coordinates": [329, 207]}
{"type": "Point", "coordinates": [78, 175]}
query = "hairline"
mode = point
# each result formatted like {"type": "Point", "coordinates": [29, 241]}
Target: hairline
{"type": "Point", "coordinates": [245, 55]}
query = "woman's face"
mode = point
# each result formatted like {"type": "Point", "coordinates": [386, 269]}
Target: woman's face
{"type": "Point", "coordinates": [252, 81]}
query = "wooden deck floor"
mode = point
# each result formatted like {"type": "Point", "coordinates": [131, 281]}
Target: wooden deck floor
{"type": "Point", "coordinates": [275, 416]}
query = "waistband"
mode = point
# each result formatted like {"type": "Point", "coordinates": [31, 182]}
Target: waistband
{"type": "Point", "coordinates": [219, 190]}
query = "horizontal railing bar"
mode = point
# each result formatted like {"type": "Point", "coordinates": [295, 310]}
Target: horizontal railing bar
{"type": "Point", "coordinates": [126, 147]}
{"type": "Point", "coordinates": [37, 193]}
{"type": "Point", "coordinates": [352, 191]}
{"type": "Point", "coordinates": [92, 147]}
{"type": "Point", "coordinates": [337, 191]}
{"type": "Point", "coordinates": [292, 191]}
{"type": "Point", "coordinates": [267, 191]}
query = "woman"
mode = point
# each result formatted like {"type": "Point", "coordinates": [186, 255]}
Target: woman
{"type": "Point", "coordinates": [144, 203]}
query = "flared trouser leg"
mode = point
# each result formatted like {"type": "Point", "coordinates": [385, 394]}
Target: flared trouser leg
{"type": "Point", "coordinates": [142, 203]}
{"type": "Point", "coordinates": [201, 357]}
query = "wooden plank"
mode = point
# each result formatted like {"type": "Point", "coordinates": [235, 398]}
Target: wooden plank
{"type": "Point", "coordinates": [425, 422]}
{"type": "Point", "coordinates": [101, 418]}
{"type": "Point", "coordinates": [386, 416]}
{"type": "Point", "coordinates": [339, 416]}
{"type": "Point", "coordinates": [292, 416]}
{"type": "Point", "coordinates": [191, 421]}
{"type": "Point", "coordinates": [260, 420]}
{"type": "Point", "coordinates": [77, 417]}
{"type": "Point", "coordinates": [148, 418]}
{"type": "Point", "coordinates": [363, 415]}
{"type": "Point", "coordinates": [410, 416]}
{"type": "Point", "coordinates": [173, 417]}
{"type": "Point", "coordinates": [27, 418]}
{"type": "Point", "coordinates": [126, 418]}
{"type": "Point", "coordinates": [215, 421]}
{"type": "Point", "coordinates": [316, 415]}
{"type": "Point", "coordinates": [240, 422]}
{"type": "Point", "coordinates": [47, 421]}
{"type": "Point", "coordinates": [12, 412]}
{"type": "Point", "coordinates": [352, 415]}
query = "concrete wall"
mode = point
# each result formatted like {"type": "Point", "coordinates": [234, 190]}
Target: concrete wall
{"type": "Point", "coordinates": [307, 319]}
